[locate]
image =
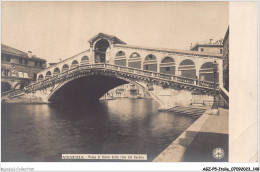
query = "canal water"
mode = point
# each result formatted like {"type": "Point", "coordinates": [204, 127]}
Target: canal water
{"type": "Point", "coordinates": [123, 126]}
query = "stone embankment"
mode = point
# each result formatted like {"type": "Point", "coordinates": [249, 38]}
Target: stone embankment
{"type": "Point", "coordinates": [23, 100]}
{"type": "Point", "coordinates": [198, 141]}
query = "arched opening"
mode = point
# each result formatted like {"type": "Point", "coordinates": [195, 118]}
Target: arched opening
{"type": "Point", "coordinates": [56, 71]}
{"type": "Point", "coordinates": [206, 72]}
{"type": "Point", "coordinates": [19, 86]}
{"type": "Point", "coordinates": [84, 60]}
{"type": "Point", "coordinates": [134, 61]}
{"type": "Point", "coordinates": [85, 89]}
{"type": "Point", "coordinates": [74, 64]}
{"type": "Point", "coordinates": [150, 63]}
{"type": "Point", "coordinates": [5, 86]}
{"type": "Point", "coordinates": [91, 88]}
{"type": "Point", "coordinates": [48, 74]}
{"type": "Point", "coordinates": [167, 66]}
{"type": "Point", "coordinates": [120, 58]}
{"type": "Point", "coordinates": [40, 77]}
{"type": "Point", "coordinates": [100, 49]}
{"type": "Point", "coordinates": [65, 68]}
{"type": "Point", "coordinates": [187, 69]}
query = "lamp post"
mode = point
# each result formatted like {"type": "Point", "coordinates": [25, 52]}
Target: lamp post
{"type": "Point", "coordinates": [215, 105]}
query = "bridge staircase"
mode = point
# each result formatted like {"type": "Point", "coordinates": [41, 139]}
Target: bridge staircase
{"type": "Point", "coordinates": [191, 110]}
{"type": "Point", "coordinates": [224, 97]}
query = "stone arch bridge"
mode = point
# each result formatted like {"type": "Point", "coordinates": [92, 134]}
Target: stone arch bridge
{"type": "Point", "coordinates": [171, 77]}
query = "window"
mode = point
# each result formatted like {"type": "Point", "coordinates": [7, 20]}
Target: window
{"type": "Point", "coordinates": [20, 61]}
{"type": "Point", "coordinates": [146, 67]}
{"type": "Point", "coordinates": [202, 49]}
{"type": "Point", "coordinates": [221, 51]}
{"type": "Point", "coordinates": [167, 68]}
{"type": "Point", "coordinates": [6, 72]}
{"type": "Point", "coordinates": [40, 64]}
{"type": "Point", "coordinates": [26, 62]}
{"type": "Point", "coordinates": [7, 59]}
{"type": "Point", "coordinates": [120, 53]}
{"type": "Point", "coordinates": [150, 57]}
{"type": "Point", "coordinates": [35, 63]}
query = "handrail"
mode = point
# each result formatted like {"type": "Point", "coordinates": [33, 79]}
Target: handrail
{"type": "Point", "coordinates": [224, 91]}
{"type": "Point", "coordinates": [155, 75]}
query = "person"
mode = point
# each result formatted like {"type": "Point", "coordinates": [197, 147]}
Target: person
{"type": "Point", "coordinates": [197, 80]}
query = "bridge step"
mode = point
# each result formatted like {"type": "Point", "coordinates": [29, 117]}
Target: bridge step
{"type": "Point", "coordinates": [196, 112]}
{"type": "Point", "coordinates": [189, 110]}
{"type": "Point", "coordinates": [18, 95]}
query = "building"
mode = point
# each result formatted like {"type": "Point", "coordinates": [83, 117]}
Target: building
{"type": "Point", "coordinates": [18, 68]}
{"type": "Point", "coordinates": [210, 47]}
{"type": "Point", "coordinates": [125, 91]}
{"type": "Point", "coordinates": [226, 61]}
{"type": "Point", "coordinates": [206, 71]}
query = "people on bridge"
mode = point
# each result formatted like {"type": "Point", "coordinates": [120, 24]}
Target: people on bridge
{"type": "Point", "coordinates": [197, 80]}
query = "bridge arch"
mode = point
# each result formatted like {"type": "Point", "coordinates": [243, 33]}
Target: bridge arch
{"type": "Point", "coordinates": [74, 64]}
{"type": "Point", "coordinates": [150, 63]}
{"type": "Point", "coordinates": [206, 72]}
{"type": "Point", "coordinates": [120, 58]}
{"type": "Point", "coordinates": [167, 65]}
{"type": "Point", "coordinates": [100, 50]}
{"type": "Point", "coordinates": [56, 71]}
{"type": "Point", "coordinates": [187, 69]}
{"type": "Point", "coordinates": [65, 68]}
{"type": "Point", "coordinates": [84, 60]}
{"type": "Point", "coordinates": [135, 61]}
{"type": "Point", "coordinates": [48, 74]}
{"type": "Point", "coordinates": [85, 88]}
{"type": "Point", "coordinates": [40, 77]}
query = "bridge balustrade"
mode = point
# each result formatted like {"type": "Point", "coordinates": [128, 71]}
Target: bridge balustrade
{"type": "Point", "coordinates": [79, 69]}
{"type": "Point", "coordinates": [208, 84]}
{"type": "Point", "coordinates": [186, 80]}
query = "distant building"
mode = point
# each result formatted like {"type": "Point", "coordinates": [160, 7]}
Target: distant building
{"type": "Point", "coordinates": [18, 68]}
{"type": "Point", "coordinates": [52, 64]}
{"type": "Point", "coordinates": [216, 47]}
{"type": "Point", "coordinates": [125, 91]}
{"type": "Point", "coordinates": [226, 61]}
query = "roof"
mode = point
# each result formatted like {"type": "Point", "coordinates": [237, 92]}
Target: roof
{"type": "Point", "coordinates": [102, 35]}
{"type": "Point", "coordinates": [166, 50]}
{"type": "Point", "coordinates": [13, 51]}
{"type": "Point", "coordinates": [218, 43]}
{"type": "Point", "coordinates": [226, 35]}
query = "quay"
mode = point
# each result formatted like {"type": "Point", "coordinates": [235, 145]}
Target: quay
{"type": "Point", "coordinates": [196, 143]}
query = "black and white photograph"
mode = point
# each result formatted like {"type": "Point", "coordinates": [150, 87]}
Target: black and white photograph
{"type": "Point", "coordinates": [115, 81]}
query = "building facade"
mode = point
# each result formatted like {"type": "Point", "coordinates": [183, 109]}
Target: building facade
{"type": "Point", "coordinates": [125, 91]}
{"type": "Point", "coordinates": [211, 47]}
{"type": "Point", "coordinates": [206, 71]}
{"type": "Point", "coordinates": [18, 68]}
{"type": "Point", "coordinates": [226, 61]}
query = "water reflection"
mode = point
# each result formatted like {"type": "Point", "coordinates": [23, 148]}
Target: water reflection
{"type": "Point", "coordinates": [44, 132]}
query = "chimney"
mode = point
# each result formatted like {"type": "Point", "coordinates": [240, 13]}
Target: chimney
{"type": "Point", "coordinates": [210, 41]}
{"type": "Point", "coordinates": [29, 54]}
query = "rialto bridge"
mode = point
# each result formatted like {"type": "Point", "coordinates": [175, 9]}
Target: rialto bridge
{"type": "Point", "coordinates": [171, 77]}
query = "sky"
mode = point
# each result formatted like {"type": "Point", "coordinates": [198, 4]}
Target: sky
{"type": "Point", "coordinates": [59, 30]}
